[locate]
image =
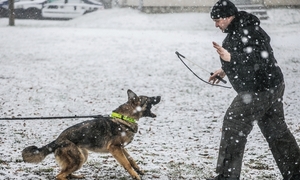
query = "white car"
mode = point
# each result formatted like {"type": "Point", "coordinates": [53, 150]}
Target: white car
{"type": "Point", "coordinates": [31, 9]}
{"type": "Point", "coordinates": [68, 9]}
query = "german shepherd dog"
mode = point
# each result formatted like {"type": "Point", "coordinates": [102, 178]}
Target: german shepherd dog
{"type": "Point", "coordinates": [102, 134]}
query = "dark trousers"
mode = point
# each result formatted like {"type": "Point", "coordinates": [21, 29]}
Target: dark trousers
{"type": "Point", "coordinates": [266, 108]}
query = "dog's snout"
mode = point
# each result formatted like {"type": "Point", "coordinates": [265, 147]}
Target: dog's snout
{"type": "Point", "coordinates": [156, 99]}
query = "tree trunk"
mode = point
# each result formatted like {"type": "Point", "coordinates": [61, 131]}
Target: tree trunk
{"type": "Point", "coordinates": [11, 13]}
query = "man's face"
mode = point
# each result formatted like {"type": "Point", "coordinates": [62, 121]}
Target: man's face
{"type": "Point", "coordinates": [222, 23]}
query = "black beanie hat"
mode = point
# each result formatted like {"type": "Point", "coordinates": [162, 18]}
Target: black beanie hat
{"type": "Point", "coordinates": [223, 9]}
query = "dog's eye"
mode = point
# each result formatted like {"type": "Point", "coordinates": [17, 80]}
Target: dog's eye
{"type": "Point", "coordinates": [143, 101]}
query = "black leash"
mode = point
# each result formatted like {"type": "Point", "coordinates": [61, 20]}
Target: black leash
{"type": "Point", "coordinates": [180, 56]}
{"type": "Point", "coordinates": [55, 117]}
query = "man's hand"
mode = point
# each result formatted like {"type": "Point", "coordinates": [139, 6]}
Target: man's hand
{"type": "Point", "coordinates": [224, 54]}
{"type": "Point", "coordinates": [213, 78]}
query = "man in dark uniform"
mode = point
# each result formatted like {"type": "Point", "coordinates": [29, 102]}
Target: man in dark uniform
{"type": "Point", "coordinates": [248, 61]}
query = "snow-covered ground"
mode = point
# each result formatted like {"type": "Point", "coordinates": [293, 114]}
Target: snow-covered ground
{"type": "Point", "coordinates": [85, 66]}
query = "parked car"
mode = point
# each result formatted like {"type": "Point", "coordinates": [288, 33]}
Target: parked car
{"type": "Point", "coordinates": [68, 9]}
{"type": "Point", "coordinates": [3, 10]}
{"type": "Point", "coordinates": [31, 9]}
{"type": "Point", "coordinates": [54, 9]}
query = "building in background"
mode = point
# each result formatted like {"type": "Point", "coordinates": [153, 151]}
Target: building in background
{"type": "Point", "coordinates": [257, 7]}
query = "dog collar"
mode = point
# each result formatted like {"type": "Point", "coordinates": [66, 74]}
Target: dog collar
{"type": "Point", "coordinates": [120, 116]}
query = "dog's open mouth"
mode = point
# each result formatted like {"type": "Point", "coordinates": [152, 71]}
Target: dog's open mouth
{"type": "Point", "coordinates": [151, 102]}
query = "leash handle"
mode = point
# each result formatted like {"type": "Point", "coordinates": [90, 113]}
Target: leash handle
{"type": "Point", "coordinates": [219, 78]}
{"type": "Point", "coordinates": [181, 56]}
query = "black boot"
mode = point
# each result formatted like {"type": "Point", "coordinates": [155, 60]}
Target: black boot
{"type": "Point", "coordinates": [221, 177]}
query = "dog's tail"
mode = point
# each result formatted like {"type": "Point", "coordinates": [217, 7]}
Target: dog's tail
{"type": "Point", "coordinates": [33, 154]}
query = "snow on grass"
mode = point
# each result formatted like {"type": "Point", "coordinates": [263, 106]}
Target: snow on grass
{"type": "Point", "coordinates": [85, 66]}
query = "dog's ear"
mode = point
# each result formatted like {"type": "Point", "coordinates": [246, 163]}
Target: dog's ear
{"type": "Point", "coordinates": [131, 95]}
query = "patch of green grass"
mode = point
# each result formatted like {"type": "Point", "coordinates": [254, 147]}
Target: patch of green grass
{"type": "Point", "coordinates": [46, 170]}
{"type": "Point", "coordinates": [181, 170]}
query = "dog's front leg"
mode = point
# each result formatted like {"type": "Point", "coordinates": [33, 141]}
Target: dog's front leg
{"type": "Point", "coordinates": [132, 162]}
{"type": "Point", "coordinates": [117, 152]}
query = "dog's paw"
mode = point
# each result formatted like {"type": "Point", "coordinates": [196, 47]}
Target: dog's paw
{"type": "Point", "coordinates": [137, 178]}
{"type": "Point", "coordinates": [76, 176]}
{"type": "Point", "coordinates": [141, 172]}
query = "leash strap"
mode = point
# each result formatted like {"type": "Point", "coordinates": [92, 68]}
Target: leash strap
{"type": "Point", "coordinates": [57, 117]}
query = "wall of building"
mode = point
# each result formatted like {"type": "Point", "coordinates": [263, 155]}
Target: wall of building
{"type": "Point", "coordinates": [276, 3]}
{"type": "Point", "coordinates": [185, 3]}
{"type": "Point", "coordinates": [205, 3]}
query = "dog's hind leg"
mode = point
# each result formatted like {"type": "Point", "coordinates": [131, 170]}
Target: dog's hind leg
{"type": "Point", "coordinates": [132, 162]}
{"type": "Point", "coordinates": [84, 156]}
{"type": "Point", "coordinates": [118, 153]}
{"type": "Point", "coordinates": [70, 158]}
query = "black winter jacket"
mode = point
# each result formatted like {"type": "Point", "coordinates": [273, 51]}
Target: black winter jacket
{"type": "Point", "coordinates": [252, 67]}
